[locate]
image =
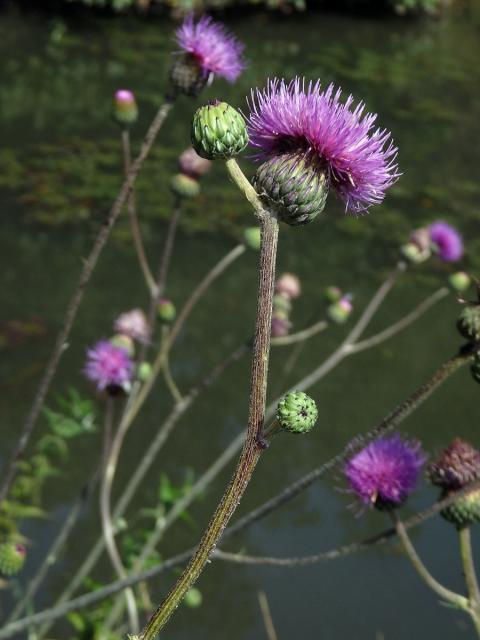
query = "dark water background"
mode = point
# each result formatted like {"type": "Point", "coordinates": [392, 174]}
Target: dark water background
{"type": "Point", "coordinates": [59, 169]}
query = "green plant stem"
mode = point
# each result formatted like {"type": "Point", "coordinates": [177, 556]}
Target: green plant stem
{"type": "Point", "coordinates": [133, 217]}
{"type": "Point", "coordinates": [89, 264]}
{"type": "Point", "coordinates": [468, 564]}
{"type": "Point", "coordinates": [251, 450]}
{"type": "Point", "coordinates": [167, 374]}
{"type": "Point", "coordinates": [446, 594]}
{"type": "Point", "coordinates": [111, 452]}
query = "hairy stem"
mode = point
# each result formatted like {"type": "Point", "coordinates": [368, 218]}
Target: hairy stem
{"type": "Point", "coordinates": [470, 575]}
{"type": "Point", "coordinates": [74, 304]}
{"type": "Point", "coordinates": [251, 451]}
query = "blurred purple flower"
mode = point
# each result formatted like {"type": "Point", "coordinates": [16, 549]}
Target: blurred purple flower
{"type": "Point", "coordinates": [214, 48]}
{"type": "Point", "coordinates": [192, 165]}
{"type": "Point", "coordinates": [447, 241]}
{"type": "Point", "coordinates": [296, 118]}
{"type": "Point", "coordinates": [385, 472]}
{"type": "Point", "coordinates": [108, 366]}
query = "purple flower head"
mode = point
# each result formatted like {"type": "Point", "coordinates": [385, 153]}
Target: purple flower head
{"type": "Point", "coordinates": [335, 137]}
{"type": "Point", "coordinates": [108, 366]}
{"type": "Point", "coordinates": [447, 241]}
{"type": "Point", "coordinates": [214, 48]}
{"type": "Point", "coordinates": [385, 472]}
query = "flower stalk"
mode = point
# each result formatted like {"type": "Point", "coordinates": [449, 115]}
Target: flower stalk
{"type": "Point", "coordinates": [471, 581]}
{"type": "Point", "coordinates": [251, 449]}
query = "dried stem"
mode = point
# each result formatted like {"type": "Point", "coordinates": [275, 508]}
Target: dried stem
{"type": "Point", "coordinates": [267, 616]}
{"type": "Point", "coordinates": [251, 451]}
{"type": "Point", "coordinates": [72, 308]}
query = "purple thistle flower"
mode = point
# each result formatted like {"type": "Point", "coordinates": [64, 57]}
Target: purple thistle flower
{"type": "Point", "coordinates": [385, 472]}
{"type": "Point", "coordinates": [213, 47]}
{"type": "Point", "coordinates": [294, 118]}
{"type": "Point", "coordinates": [108, 366]}
{"type": "Point", "coordinates": [447, 241]}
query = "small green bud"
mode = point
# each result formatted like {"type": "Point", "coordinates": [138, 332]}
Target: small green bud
{"type": "Point", "coordinates": [251, 237]}
{"type": "Point", "coordinates": [294, 186]}
{"type": "Point", "coordinates": [12, 558]}
{"type": "Point", "coordinates": [413, 254]}
{"type": "Point", "coordinates": [184, 186]}
{"type": "Point", "coordinates": [186, 75]}
{"type": "Point", "coordinates": [465, 511]}
{"type": "Point", "coordinates": [468, 322]}
{"type": "Point", "coordinates": [193, 598]}
{"type": "Point", "coordinates": [332, 294]}
{"type": "Point", "coordinates": [124, 342]}
{"type": "Point", "coordinates": [125, 110]}
{"type": "Point", "coordinates": [144, 371]}
{"type": "Point", "coordinates": [459, 281]}
{"type": "Point", "coordinates": [218, 131]}
{"type": "Point", "coordinates": [297, 412]}
{"type": "Point", "coordinates": [281, 304]}
{"type": "Point", "coordinates": [339, 312]}
{"type": "Point", "coordinates": [166, 310]}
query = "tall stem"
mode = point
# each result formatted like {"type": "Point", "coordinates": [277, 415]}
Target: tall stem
{"type": "Point", "coordinates": [110, 457]}
{"type": "Point", "coordinates": [471, 580]}
{"type": "Point", "coordinates": [251, 451]}
{"type": "Point", "coordinates": [447, 595]}
{"type": "Point", "coordinates": [72, 308]}
{"type": "Point", "coordinates": [132, 214]}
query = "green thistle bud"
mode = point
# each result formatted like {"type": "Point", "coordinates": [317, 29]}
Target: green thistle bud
{"type": "Point", "coordinates": [459, 281]}
{"type": "Point", "coordinates": [144, 371]}
{"type": "Point", "coordinates": [12, 558]}
{"type": "Point", "coordinates": [251, 237]}
{"type": "Point", "coordinates": [184, 186]}
{"type": "Point", "coordinates": [125, 110]}
{"type": "Point", "coordinates": [166, 310]}
{"type": "Point", "coordinates": [218, 131]}
{"type": "Point", "coordinates": [339, 312]}
{"type": "Point", "coordinates": [186, 75]}
{"type": "Point", "coordinates": [465, 511]}
{"type": "Point", "coordinates": [332, 294]}
{"type": "Point", "coordinates": [193, 598]}
{"type": "Point", "coordinates": [281, 304]}
{"type": "Point", "coordinates": [475, 367]}
{"type": "Point", "coordinates": [123, 342]}
{"type": "Point", "coordinates": [413, 254]}
{"type": "Point", "coordinates": [297, 412]}
{"type": "Point", "coordinates": [468, 322]}
{"type": "Point", "coordinates": [294, 186]}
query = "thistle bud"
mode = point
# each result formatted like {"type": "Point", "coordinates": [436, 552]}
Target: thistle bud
{"type": "Point", "coordinates": [193, 598]}
{"type": "Point", "coordinates": [184, 186]}
{"type": "Point", "coordinates": [218, 131]}
{"type": "Point", "coordinates": [468, 322]}
{"type": "Point", "coordinates": [294, 186]}
{"type": "Point", "coordinates": [251, 237]}
{"type": "Point", "coordinates": [288, 285]}
{"type": "Point", "coordinates": [192, 165]}
{"type": "Point", "coordinates": [144, 371]}
{"type": "Point", "coordinates": [340, 311]}
{"type": "Point", "coordinates": [463, 512]}
{"type": "Point", "coordinates": [124, 342]}
{"type": "Point", "coordinates": [187, 76]}
{"type": "Point", "coordinates": [12, 558]}
{"type": "Point", "coordinates": [281, 303]}
{"type": "Point", "coordinates": [332, 294]}
{"type": "Point", "coordinates": [297, 412]}
{"type": "Point", "coordinates": [125, 110]}
{"type": "Point", "coordinates": [459, 281]}
{"type": "Point", "coordinates": [166, 310]}
{"type": "Point", "coordinates": [280, 327]}
{"type": "Point", "coordinates": [413, 254]}
{"type": "Point", "coordinates": [457, 466]}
